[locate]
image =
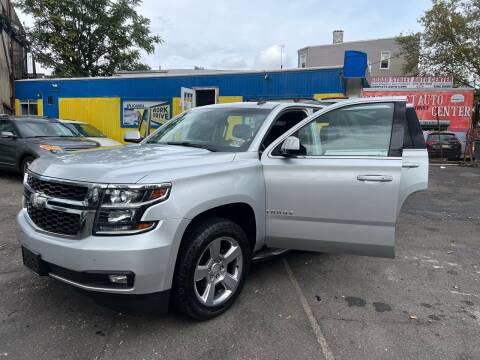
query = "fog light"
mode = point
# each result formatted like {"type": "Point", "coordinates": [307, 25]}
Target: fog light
{"type": "Point", "coordinates": [118, 279]}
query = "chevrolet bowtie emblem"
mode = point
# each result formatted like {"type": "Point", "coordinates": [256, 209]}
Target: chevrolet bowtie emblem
{"type": "Point", "coordinates": [38, 201]}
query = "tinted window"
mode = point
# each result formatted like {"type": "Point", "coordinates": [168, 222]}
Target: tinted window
{"type": "Point", "coordinates": [6, 125]}
{"type": "Point", "coordinates": [283, 123]}
{"type": "Point", "coordinates": [29, 128]}
{"type": "Point", "coordinates": [357, 130]}
{"type": "Point", "coordinates": [417, 140]}
{"type": "Point", "coordinates": [442, 137]}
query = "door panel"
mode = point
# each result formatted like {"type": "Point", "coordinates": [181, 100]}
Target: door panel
{"type": "Point", "coordinates": [320, 205]}
{"type": "Point", "coordinates": [414, 173]}
{"type": "Point", "coordinates": [342, 195]}
{"type": "Point", "coordinates": [188, 98]}
{"type": "Point", "coordinates": [8, 146]}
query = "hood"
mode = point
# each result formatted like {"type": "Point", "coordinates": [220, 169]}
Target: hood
{"type": "Point", "coordinates": [68, 143]}
{"type": "Point", "coordinates": [105, 141]}
{"type": "Point", "coordinates": [127, 164]}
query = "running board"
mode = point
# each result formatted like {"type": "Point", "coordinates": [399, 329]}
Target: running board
{"type": "Point", "coordinates": [268, 253]}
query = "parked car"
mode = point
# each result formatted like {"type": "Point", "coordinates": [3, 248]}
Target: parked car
{"type": "Point", "coordinates": [25, 138]}
{"type": "Point", "coordinates": [443, 144]}
{"type": "Point", "coordinates": [462, 137]}
{"type": "Point", "coordinates": [90, 132]}
{"type": "Point", "coordinates": [182, 214]}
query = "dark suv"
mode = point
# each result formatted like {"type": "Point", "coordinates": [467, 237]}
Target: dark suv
{"type": "Point", "coordinates": [24, 138]}
{"type": "Point", "coordinates": [444, 144]}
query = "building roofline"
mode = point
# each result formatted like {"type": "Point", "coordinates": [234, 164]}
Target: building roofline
{"type": "Point", "coordinates": [449, 89]}
{"type": "Point", "coordinates": [162, 75]}
{"type": "Point", "coordinates": [345, 42]}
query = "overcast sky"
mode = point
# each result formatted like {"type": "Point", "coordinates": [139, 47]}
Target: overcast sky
{"type": "Point", "coordinates": [246, 34]}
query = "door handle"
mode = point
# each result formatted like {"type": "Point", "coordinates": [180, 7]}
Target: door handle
{"type": "Point", "coordinates": [410, 165]}
{"type": "Point", "coordinates": [379, 178]}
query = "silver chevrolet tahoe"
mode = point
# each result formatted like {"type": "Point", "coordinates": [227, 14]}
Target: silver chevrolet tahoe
{"type": "Point", "coordinates": [181, 214]}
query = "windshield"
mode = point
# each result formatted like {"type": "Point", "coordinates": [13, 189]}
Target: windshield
{"type": "Point", "coordinates": [43, 129]}
{"type": "Point", "coordinates": [227, 129]}
{"type": "Point", "coordinates": [86, 130]}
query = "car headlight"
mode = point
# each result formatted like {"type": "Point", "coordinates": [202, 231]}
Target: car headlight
{"type": "Point", "coordinates": [121, 208]}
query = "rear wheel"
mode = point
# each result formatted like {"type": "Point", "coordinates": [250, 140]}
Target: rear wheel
{"type": "Point", "coordinates": [214, 260]}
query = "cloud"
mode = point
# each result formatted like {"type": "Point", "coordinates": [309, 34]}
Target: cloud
{"type": "Point", "coordinates": [232, 62]}
{"type": "Point", "coordinates": [241, 34]}
{"type": "Point", "coordinates": [271, 58]}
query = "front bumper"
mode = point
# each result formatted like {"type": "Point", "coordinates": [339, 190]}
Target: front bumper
{"type": "Point", "coordinates": [150, 256]}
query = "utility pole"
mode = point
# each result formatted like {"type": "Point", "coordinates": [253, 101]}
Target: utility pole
{"type": "Point", "coordinates": [281, 55]}
{"type": "Point", "coordinates": [12, 63]}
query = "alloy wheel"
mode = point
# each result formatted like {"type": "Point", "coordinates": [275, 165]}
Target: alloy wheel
{"type": "Point", "coordinates": [218, 271]}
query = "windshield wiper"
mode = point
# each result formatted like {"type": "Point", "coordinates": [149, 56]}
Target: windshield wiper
{"type": "Point", "coordinates": [43, 136]}
{"type": "Point", "coordinates": [196, 145]}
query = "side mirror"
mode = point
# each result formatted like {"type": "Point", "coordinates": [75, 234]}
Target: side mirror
{"type": "Point", "coordinates": [8, 135]}
{"type": "Point", "coordinates": [132, 136]}
{"type": "Point", "coordinates": [291, 147]}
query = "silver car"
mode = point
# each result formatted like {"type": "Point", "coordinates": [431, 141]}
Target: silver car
{"type": "Point", "coordinates": [181, 214]}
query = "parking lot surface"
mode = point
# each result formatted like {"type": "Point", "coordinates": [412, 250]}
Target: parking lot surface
{"type": "Point", "coordinates": [424, 304]}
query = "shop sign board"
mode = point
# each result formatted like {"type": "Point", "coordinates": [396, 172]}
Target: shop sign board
{"type": "Point", "coordinates": [410, 82]}
{"type": "Point", "coordinates": [133, 111]}
{"type": "Point", "coordinates": [450, 105]}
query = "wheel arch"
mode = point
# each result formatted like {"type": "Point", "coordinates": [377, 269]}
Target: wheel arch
{"type": "Point", "coordinates": [242, 213]}
{"type": "Point", "coordinates": [22, 157]}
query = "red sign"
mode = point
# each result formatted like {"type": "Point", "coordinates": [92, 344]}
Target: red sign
{"type": "Point", "coordinates": [433, 105]}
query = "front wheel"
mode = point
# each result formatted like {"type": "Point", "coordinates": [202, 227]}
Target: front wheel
{"type": "Point", "coordinates": [214, 260]}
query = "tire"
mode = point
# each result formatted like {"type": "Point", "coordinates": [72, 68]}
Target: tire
{"type": "Point", "coordinates": [200, 272]}
{"type": "Point", "coordinates": [25, 163]}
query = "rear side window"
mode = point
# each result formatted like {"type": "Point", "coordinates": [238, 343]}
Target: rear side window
{"type": "Point", "coordinates": [442, 137]}
{"type": "Point", "coordinates": [357, 130]}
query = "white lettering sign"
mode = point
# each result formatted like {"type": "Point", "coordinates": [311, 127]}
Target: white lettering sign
{"type": "Point", "coordinates": [410, 82]}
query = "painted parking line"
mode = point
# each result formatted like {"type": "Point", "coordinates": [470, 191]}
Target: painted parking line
{"type": "Point", "coordinates": [327, 353]}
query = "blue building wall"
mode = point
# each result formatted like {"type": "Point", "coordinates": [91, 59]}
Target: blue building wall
{"type": "Point", "coordinates": [304, 83]}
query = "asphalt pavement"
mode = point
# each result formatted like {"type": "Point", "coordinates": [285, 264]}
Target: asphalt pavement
{"type": "Point", "coordinates": [424, 304]}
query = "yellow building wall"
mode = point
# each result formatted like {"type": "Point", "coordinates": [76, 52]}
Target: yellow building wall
{"type": "Point", "coordinates": [40, 107]}
{"type": "Point", "coordinates": [327, 95]}
{"type": "Point", "coordinates": [103, 113]}
{"type": "Point", "coordinates": [229, 99]}
{"type": "Point", "coordinates": [176, 106]}
{"type": "Point", "coordinates": [18, 110]}
{"type": "Point", "coordinates": [177, 103]}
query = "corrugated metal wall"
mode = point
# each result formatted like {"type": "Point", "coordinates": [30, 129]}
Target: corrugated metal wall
{"type": "Point", "coordinates": [81, 99]}
{"type": "Point", "coordinates": [277, 84]}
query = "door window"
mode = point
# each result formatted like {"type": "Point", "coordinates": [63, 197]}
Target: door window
{"type": "Point", "coordinates": [357, 130]}
{"type": "Point", "coordinates": [29, 107]}
{"type": "Point", "coordinates": [6, 125]}
{"type": "Point", "coordinates": [283, 123]}
{"type": "Point", "coordinates": [385, 60]}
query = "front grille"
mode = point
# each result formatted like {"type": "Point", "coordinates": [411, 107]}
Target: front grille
{"type": "Point", "coordinates": [54, 221]}
{"type": "Point", "coordinates": [58, 190]}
